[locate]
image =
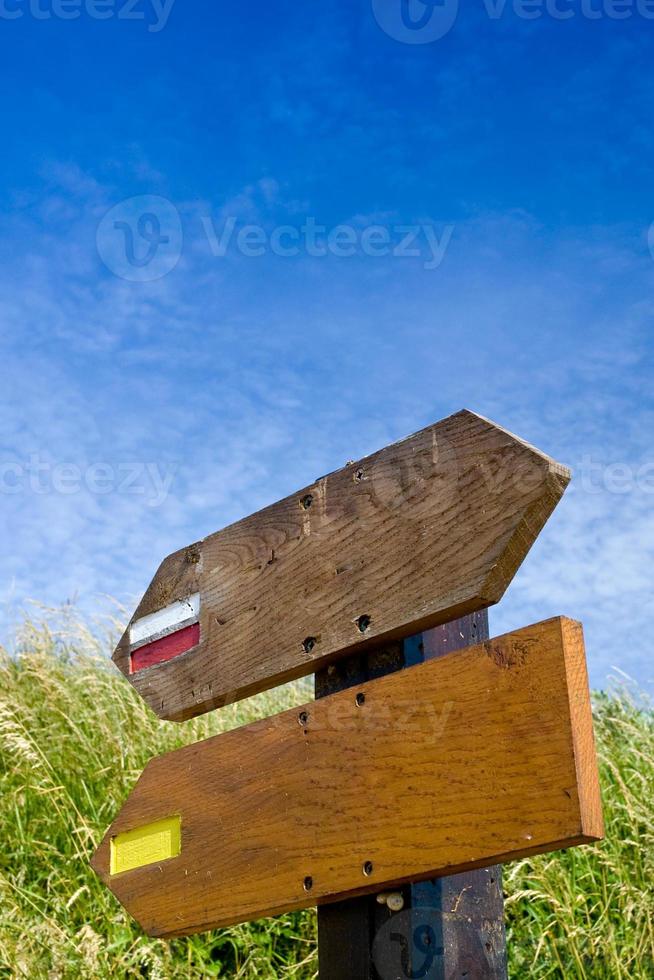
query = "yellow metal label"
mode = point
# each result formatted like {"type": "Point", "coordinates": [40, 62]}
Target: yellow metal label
{"type": "Point", "coordinates": [153, 842]}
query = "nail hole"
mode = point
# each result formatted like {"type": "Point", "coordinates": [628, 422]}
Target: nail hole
{"type": "Point", "coordinates": [307, 500]}
{"type": "Point", "coordinates": [358, 476]}
{"type": "Point", "coordinates": [309, 643]}
{"type": "Point", "coordinates": [360, 698]}
{"type": "Point", "coordinates": [368, 868]}
{"type": "Point", "coordinates": [308, 883]}
{"type": "Point", "coordinates": [363, 622]}
{"type": "Point", "coordinates": [303, 718]}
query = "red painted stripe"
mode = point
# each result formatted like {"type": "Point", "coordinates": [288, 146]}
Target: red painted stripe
{"type": "Point", "coordinates": [165, 648]}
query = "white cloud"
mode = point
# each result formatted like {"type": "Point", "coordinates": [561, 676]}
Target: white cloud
{"type": "Point", "coordinates": [252, 377]}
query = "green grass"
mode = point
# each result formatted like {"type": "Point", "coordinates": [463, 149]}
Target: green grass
{"type": "Point", "coordinates": [589, 911]}
{"type": "Point", "coordinates": [73, 739]}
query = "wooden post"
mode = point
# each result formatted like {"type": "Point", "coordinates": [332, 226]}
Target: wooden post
{"type": "Point", "coordinates": [346, 930]}
{"type": "Point", "coordinates": [462, 915]}
{"type": "Point", "coordinates": [467, 910]}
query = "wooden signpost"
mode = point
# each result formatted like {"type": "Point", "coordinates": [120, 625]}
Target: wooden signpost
{"type": "Point", "coordinates": [419, 760]}
{"type": "Point", "coordinates": [428, 529]}
{"type": "Point", "coordinates": [378, 785]}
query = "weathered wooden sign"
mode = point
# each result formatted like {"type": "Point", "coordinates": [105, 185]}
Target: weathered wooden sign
{"type": "Point", "coordinates": [423, 531]}
{"type": "Point", "coordinates": [480, 756]}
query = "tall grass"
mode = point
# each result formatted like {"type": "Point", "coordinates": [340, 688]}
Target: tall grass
{"type": "Point", "coordinates": [589, 911]}
{"type": "Point", "coordinates": [73, 739]}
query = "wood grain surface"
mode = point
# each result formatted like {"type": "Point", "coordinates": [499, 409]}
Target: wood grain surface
{"type": "Point", "coordinates": [426, 530]}
{"type": "Point", "coordinates": [474, 758]}
{"type": "Point", "coordinates": [458, 917]}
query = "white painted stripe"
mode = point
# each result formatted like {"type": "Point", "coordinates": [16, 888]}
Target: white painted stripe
{"type": "Point", "coordinates": [172, 617]}
{"type": "Point", "coordinates": [138, 644]}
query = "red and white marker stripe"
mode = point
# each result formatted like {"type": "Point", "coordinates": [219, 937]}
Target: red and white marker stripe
{"type": "Point", "coordinates": [165, 634]}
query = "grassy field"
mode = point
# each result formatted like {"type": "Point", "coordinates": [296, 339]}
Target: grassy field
{"type": "Point", "coordinates": [73, 739]}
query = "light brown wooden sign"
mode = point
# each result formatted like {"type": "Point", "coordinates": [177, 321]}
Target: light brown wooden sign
{"type": "Point", "coordinates": [424, 531]}
{"type": "Point", "coordinates": [475, 758]}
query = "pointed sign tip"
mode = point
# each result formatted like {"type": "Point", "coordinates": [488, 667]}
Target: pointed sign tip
{"type": "Point", "coordinates": [447, 515]}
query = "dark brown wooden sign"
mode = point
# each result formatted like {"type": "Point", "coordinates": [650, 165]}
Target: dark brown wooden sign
{"type": "Point", "coordinates": [477, 757]}
{"type": "Point", "coordinates": [423, 531]}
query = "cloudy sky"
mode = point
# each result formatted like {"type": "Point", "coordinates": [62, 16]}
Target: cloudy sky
{"type": "Point", "coordinates": [243, 243]}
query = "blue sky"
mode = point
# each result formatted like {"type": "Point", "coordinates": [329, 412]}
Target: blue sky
{"type": "Point", "coordinates": [149, 401]}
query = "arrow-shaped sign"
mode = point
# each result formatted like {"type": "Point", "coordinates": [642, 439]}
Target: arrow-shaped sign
{"type": "Point", "coordinates": [481, 756]}
{"type": "Point", "coordinates": [424, 531]}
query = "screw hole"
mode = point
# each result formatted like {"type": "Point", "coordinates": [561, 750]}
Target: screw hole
{"type": "Point", "coordinates": [307, 500]}
{"type": "Point", "coordinates": [363, 622]}
{"type": "Point", "coordinates": [309, 643]}
{"type": "Point", "coordinates": [368, 868]}
{"type": "Point", "coordinates": [303, 718]}
{"type": "Point", "coordinates": [360, 698]}
{"type": "Point", "coordinates": [308, 883]}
